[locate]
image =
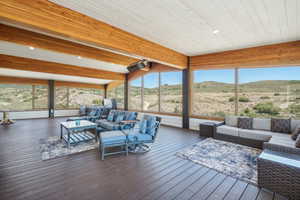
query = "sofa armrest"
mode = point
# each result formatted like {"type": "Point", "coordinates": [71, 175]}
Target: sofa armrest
{"type": "Point", "coordinates": [281, 148]}
{"type": "Point", "coordinates": [215, 127]}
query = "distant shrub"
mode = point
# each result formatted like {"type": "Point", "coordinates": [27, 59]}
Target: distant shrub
{"type": "Point", "coordinates": [264, 97]}
{"type": "Point", "coordinates": [219, 114]}
{"type": "Point", "coordinates": [276, 94]}
{"type": "Point", "coordinates": [241, 99]}
{"type": "Point", "coordinates": [267, 108]}
{"type": "Point", "coordinates": [96, 101]}
{"type": "Point", "coordinates": [294, 108]}
{"type": "Point", "coordinates": [244, 99]}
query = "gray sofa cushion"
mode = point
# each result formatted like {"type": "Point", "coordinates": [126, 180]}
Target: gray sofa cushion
{"type": "Point", "coordinates": [282, 140]}
{"type": "Point", "coordinates": [227, 130]}
{"type": "Point", "coordinates": [255, 134]}
{"type": "Point", "coordinates": [294, 124]}
{"type": "Point", "coordinates": [297, 143]}
{"type": "Point", "coordinates": [262, 124]}
{"type": "Point", "coordinates": [231, 121]}
{"type": "Point", "coordinates": [296, 132]}
{"type": "Point", "coordinates": [281, 125]}
{"type": "Point", "coordinates": [245, 122]}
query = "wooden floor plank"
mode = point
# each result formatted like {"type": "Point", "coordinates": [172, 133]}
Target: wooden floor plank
{"type": "Point", "coordinates": [250, 192]}
{"type": "Point", "coordinates": [236, 191]}
{"type": "Point", "coordinates": [175, 191]}
{"type": "Point", "coordinates": [265, 194]}
{"type": "Point", "coordinates": [222, 190]}
{"type": "Point", "coordinates": [209, 188]}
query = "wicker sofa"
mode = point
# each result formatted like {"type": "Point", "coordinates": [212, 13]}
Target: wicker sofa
{"type": "Point", "coordinates": [256, 137]}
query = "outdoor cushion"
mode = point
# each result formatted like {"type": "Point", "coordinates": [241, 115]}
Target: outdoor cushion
{"type": "Point", "coordinates": [255, 134]}
{"type": "Point", "coordinates": [110, 116]}
{"type": "Point", "coordinates": [82, 110]}
{"type": "Point", "coordinates": [231, 121]}
{"type": "Point", "coordinates": [282, 140]}
{"type": "Point", "coordinates": [294, 124]}
{"type": "Point", "coordinates": [112, 137]}
{"type": "Point", "coordinates": [120, 117]}
{"type": "Point", "coordinates": [245, 122]}
{"type": "Point", "coordinates": [109, 125]}
{"type": "Point", "coordinates": [139, 137]}
{"type": "Point", "coordinates": [281, 125]}
{"type": "Point", "coordinates": [262, 124]}
{"type": "Point", "coordinates": [142, 126]}
{"type": "Point", "coordinates": [130, 116]}
{"type": "Point", "coordinates": [151, 122]}
{"type": "Point", "coordinates": [228, 130]}
{"type": "Point", "coordinates": [297, 143]}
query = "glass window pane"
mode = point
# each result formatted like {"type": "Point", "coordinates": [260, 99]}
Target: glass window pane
{"type": "Point", "coordinates": [61, 98]}
{"type": "Point", "coordinates": [119, 91]}
{"type": "Point", "coordinates": [84, 96]}
{"type": "Point", "coordinates": [135, 94]}
{"type": "Point", "coordinates": [41, 97]}
{"type": "Point", "coordinates": [213, 93]}
{"type": "Point", "coordinates": [15, 97]}
{"type": "Point", "coordinates": [118, 94]}
{"type": "Point", "coordinates": [151, 90]}
{"type": "Point", "coordinates": [269, 92]}
{"type": "Point", "coordinates": [171, 92]}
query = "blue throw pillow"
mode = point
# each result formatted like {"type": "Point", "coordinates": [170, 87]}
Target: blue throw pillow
{"type": "Point", "coordinates": [110, 116]}
{"type": "Point", "coordinates": [93, 113]}
{"type": "Point", "coordinates": [151, 125]}
{"type": "Point", "coordinates": [120, 117]}
{"type": "Point", "coordinates": [143, 126]}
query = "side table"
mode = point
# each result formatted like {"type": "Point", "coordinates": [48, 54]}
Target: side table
{"type": "Point", "coordinates": [206, 129]}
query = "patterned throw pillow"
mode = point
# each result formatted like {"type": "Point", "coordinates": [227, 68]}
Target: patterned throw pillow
{"type": "Point", "coordinates": [297, 143]}
{"type": "Point", "coordinates": [281, 125]}
{"type": "Point", "coordinates": [143, 126]}
{"type": "Point", "coordinates": [110, 116]}
{"type": "Point", "coordinates": [296, 132]}
{"type": "Point", "coordinates": [245, 123]}
{"type": "Point", "coordinates": [120, 117]}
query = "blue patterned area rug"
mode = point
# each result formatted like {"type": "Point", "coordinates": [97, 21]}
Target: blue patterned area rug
{"type": "Point", "coordinates": [54, 147]}
{"type": "Point", "coordinates": [231, 159]}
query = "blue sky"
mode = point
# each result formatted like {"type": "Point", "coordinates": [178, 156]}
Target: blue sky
{"type": "Point", "coordinates": [226, 76]}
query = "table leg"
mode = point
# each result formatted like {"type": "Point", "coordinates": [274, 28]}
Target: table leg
{"type": "Point", "coordinates": [61, 131]}
{"type": "Point", "coordinates": [68, 139]}
{"type": "Point", "coordinates": [96, 135]}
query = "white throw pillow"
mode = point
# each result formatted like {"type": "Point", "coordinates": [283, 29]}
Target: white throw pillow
{"type": "Point", "coordinates": [231, 121]}
{"type": "Point", "coordinates": [294, 124]}
{"type": "Point", "coordinates": [262, 124]}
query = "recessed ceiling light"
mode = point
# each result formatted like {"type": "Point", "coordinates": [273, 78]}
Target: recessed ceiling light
{"type": "Point", "coordinates": [216, 31]}
{"type": "Point", "coordinates": [31, 48]}
{"type": "Point", "coordinates": [79, 57]}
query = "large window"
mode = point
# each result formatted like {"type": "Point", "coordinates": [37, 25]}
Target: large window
{"type": "Point", "coordinates": [72, 98]}
{"type": "Point", "coordinates": [269, 92]}
{"type": "Point", "coordinates": [171, 92]}
{"type": "Point", "coordinates": [213, 93]}
{"type": "Point", "coordinates": [157, 92]}
{"type": "Point", "coordinates": [255, 92]}
{"type": "Point", "coordinates": [151, 92]}
{"type": "Point", "coordinates": [135, 94]}
{"type": "Point", "coordinates": [23, 97]}
{"type": "Point", "coordinates": [118, 94]}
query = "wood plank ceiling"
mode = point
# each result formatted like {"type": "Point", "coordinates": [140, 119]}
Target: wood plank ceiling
{"type": "Point", "coordinates": [188, 26]}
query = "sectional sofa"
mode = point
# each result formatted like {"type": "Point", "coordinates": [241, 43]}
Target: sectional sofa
{"type": "Point", "coordinates": [259, 136]}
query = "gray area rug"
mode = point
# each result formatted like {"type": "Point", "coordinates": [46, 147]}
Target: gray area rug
{"type": "Point", "coordinates": [53, 147]}
{"type": "Point", "coordinates": [231, 159]}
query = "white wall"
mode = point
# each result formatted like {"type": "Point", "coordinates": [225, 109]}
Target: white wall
{"type": "Point", "coordinates": [26, 114]}
{"type": "Point", "coordinates": [176, 121]}
{"type": "Point", "coordinates": [64, 113]}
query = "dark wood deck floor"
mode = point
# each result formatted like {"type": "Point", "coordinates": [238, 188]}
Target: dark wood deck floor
{"type": "Point", "coordinates": [155, 175]}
